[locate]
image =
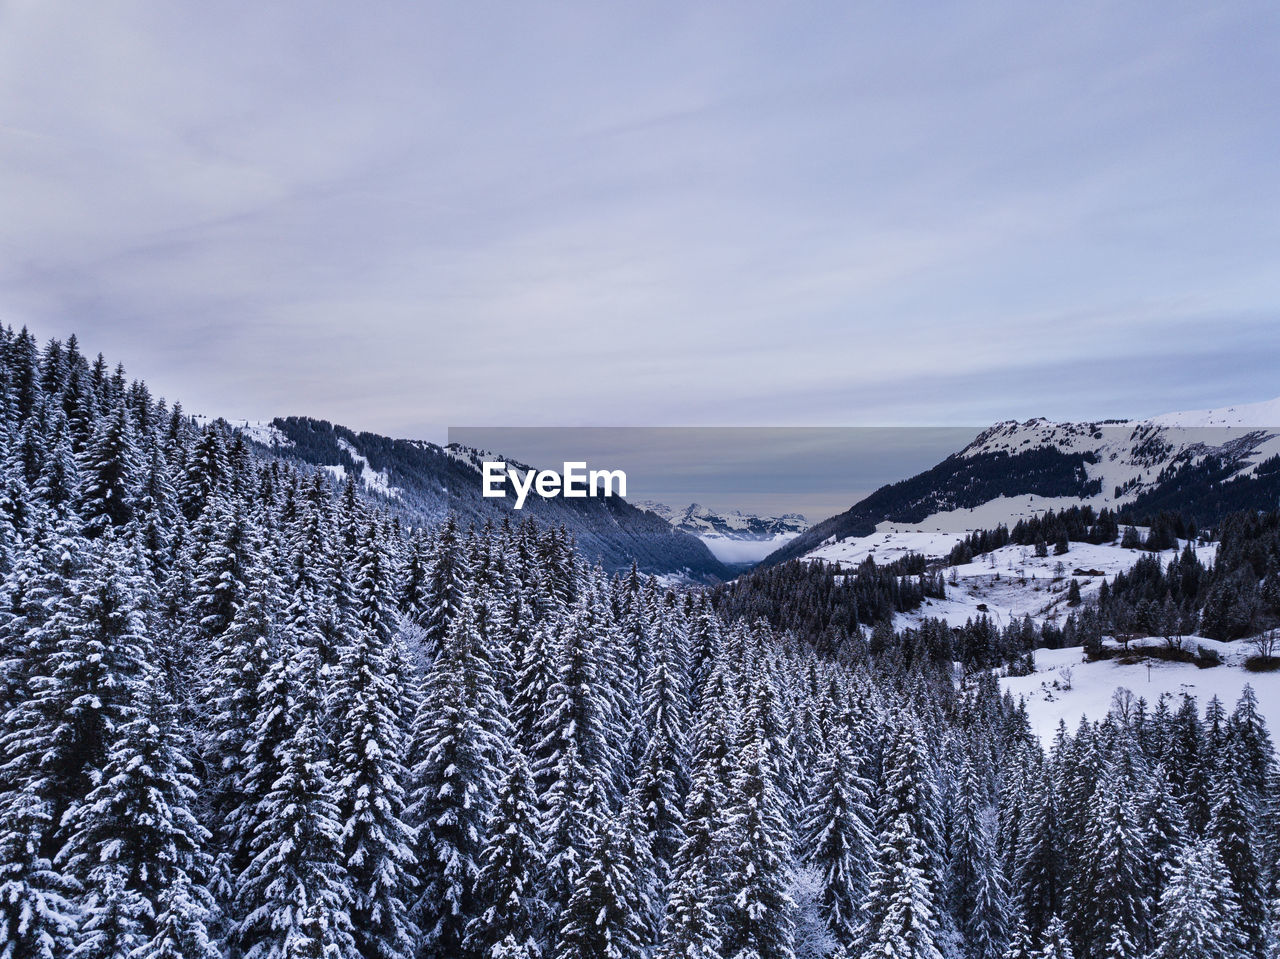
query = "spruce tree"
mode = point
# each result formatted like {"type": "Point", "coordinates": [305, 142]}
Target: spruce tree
{"type": "Point", "coordinates": [1198, 909]}
{"type": "Point", "coordinates": [446, 589]}
{"type": "Point", "coordinates": [511, 913]}
{"type": "Point", "coordinates": [692, 928]}
{"type": "Point", "coordinates": [37, 916]}
{"type": "Point", "coordinates": [110, 475]}
{"type": "Point", "coordinates": [135, 835]}
{"type": "Point", "coordinates": [836, 838]}
{"type": "Point", "coordinates": [376, 842]}
{"type": "Point", "coordinates": [759, 919]}
{"type": "Point", "coordinates": [182, 927]}
{"type": "Point", "coordinates": [1231, 827]}
{"type": "Point", "coordinates": [58, 739]}
{"type": "Point", "coordinates": [239, 690]}
{"type": "Point", "coordinates": [1056, 943]}
{"type": "Point", "coordinates": [901, 916]}
{"type": "Point", "coordinates": [662, 780]}
{"type": "Point", "coordinates": [602, 918]}
{"type": "Point", "coordinates": [1038, 878]}
{"type": "Point", "coordinates": [1112, 895]}
{"type": "Point", "coordinates": [459, 736]}
{"type": "Point", "coordinates": [295, 895]}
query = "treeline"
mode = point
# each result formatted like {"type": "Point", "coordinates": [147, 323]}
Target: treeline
{"type": "Point", "coordinates": [1238, 595]}
{"type": "Point", "coordinates": [825, 603]}
{"type": "Point", "coordinates": [1208, 491]}
{"type": "Point", "coordinates": [1057, 529]}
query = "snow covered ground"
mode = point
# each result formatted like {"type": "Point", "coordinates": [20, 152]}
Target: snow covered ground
{"type": "Point", "coordinates": [375, 480]}
{"type": "Point", "coordinates": [1012, 582]}
{"type": "Point", "coordinates": [1257, 415]}
{"type": "Point", "coordinates": [260, 431]}
{"type": "Point", "coordinates": [936, 534]}
{"type": "Point", "coordinates": [1007, 583]}
{"type": "Point", "coordinates": [1092, 685]}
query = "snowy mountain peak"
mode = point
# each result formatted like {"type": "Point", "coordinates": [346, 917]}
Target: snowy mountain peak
{"type": "Point", "coordinates": [728, 524]}
{"type": "Point", "coordinates": [1204, 463]}
{"type": "Point", "coordinates": [735, 537]}
{"type": "Point", "coordinates": [1264, 415]}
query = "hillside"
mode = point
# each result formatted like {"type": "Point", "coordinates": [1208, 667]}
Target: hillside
{"type": "Point", "coordinates": [425, 483]}
{"type": "Point", "coordinates": [1204, 463]}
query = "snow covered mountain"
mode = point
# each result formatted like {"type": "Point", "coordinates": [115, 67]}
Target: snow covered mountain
{"type": "Point", "coordinates": [425, 482]}
{"type": "Point", "coordinates": [736, 538]}
{"type": "Point", "coordinates": [1203, 463]}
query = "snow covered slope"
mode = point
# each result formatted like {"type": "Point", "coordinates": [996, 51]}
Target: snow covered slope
{"type": "Point", "coordinates": [425, 483]}
{"type": "Point", "coordinates": [1204, 463]}
{"type": "Point", "coordinates": [734, 537]}
{"type": "Point", "coordinates": [1012, 582]}
{"type": "Point", "coordinates": [1063, 688]}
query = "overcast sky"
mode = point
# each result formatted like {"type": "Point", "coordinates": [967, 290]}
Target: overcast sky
{"type": "Point", "coordinates": [405, 216]}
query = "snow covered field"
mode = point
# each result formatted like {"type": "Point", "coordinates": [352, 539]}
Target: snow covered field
{"type": "Point", "coordinates": [1007, 583]}
{"type": "Point", "coordinates": [936, 534]}
{"type": "Point", "coordinates": [1012, 582]}
{"type": "Point", "coordinates": [1092, 685]}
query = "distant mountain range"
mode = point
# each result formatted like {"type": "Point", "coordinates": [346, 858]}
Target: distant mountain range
{"type": "Point", "coordinates": [736, 538]}
{"type": "Point", "coordinates": [1203, 463]}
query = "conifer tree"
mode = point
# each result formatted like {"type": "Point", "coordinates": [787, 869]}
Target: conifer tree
{"type": "Point", "coordinates": [135, 835]}
{"type": "Point", "coordinates": [220, 576]}
{"type": "Point", "coordinates": [446, 588]}
{"type": "Point", "coordinates": [759, 919]}
{"type": "Point", "coordinates": [837, 837]}
{"type": "Point", "coordinates": [37, 916]}
{"type": "Point", "coordinates": [376, 842]}
{"type": "Point", "coordinates": [901, 918]}
{"type": "Point", "coordinates": [511, 914]}
{"type": "Point", "coordinates": [1056, 943]}
{"type": "Point", "coordinates": [459, 738]}
{"type": "Point", "coordinates": [986, 927]}
{"type": "Point", "coordinates": [1112, 895]}
{"type": "Point", "coordinates": [182, 928]}
{"type": "Point", "coordinates": [692, 928]}
{"type": "Point", "coordinates": [206, 470]}
{"type": "Point", "coordinates": [1231, 827]}
{"type": "Point", "coordinates": [968, 844]}
{"type": "Point", "coordinates": [295, 896]}
{"type": "Point", "coordinates": [239, 691]}
{"type": "Point", "coordinates": [1038, 875]}
{"type": "Point", "coordinates": [59, 738]}
{"type": "Point", "coordinates": [662, 780]}
{"type": "Point", "coordinates": [602, 918]}
{"type": "Point", "coordinates": [1198, 909]}
{"type": "Point", "coordinates": [911, 790]}
{"type": "Point", "coordinates": [573, 807]}
{"type": "Point", "coordinates": [109, 476]}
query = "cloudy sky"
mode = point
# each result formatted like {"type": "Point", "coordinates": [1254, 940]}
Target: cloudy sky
{"type": "Point", "coordinates": [406, 216]}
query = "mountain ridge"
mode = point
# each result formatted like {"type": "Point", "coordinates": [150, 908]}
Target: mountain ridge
{"type": "Point", "coordinates": [426, 482]}
{"type": "Point", "coordinates": [1205, 463]}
